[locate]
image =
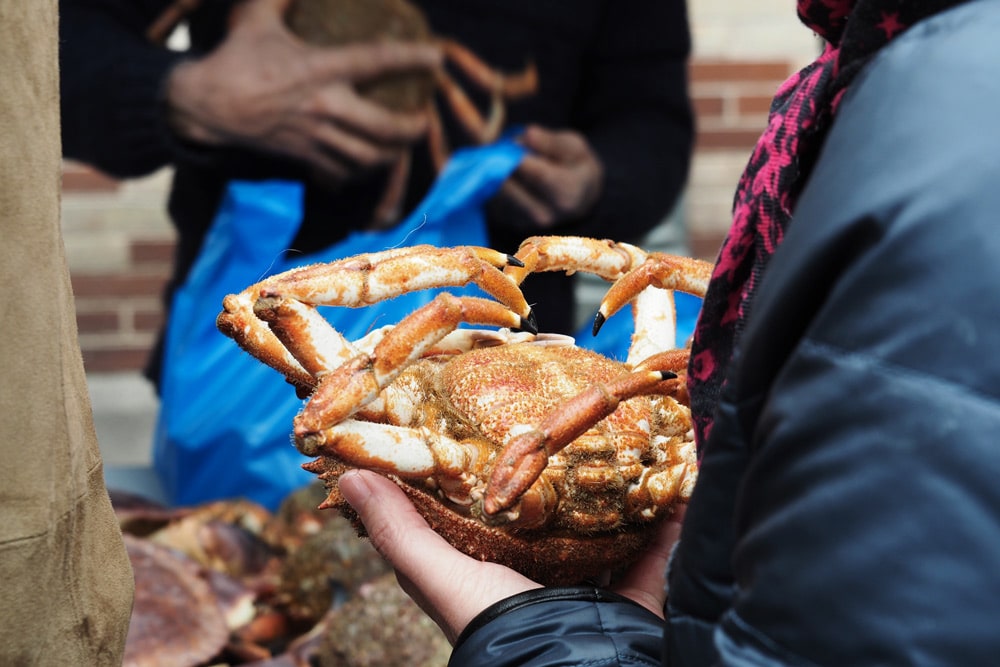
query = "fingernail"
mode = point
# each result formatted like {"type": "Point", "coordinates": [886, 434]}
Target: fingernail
{"type": "Point", "coordinates": [354, 487]}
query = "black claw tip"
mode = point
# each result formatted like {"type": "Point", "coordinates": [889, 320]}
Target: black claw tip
{"type": "Point", "coordinates": [599, 320]}
{"type": "Point", "coordinates": [528, 323]}
{"type": "Point", "coordinates": [514, 261]}
{"type": "Point", "coordinates": [668, 375]}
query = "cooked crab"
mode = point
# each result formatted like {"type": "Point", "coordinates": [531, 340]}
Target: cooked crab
{"type": "Point", "coordinates": [517, 447]}
{"type": "Point", "coordinates": [337, 22]}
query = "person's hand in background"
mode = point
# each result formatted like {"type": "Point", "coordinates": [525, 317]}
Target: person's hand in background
{"type": "Point", "coordinates": [265, 89]}
{"type": "Point", "coordinates": [560, 178]}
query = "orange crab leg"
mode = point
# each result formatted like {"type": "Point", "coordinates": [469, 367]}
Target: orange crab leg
{"type": "Point", "coordinates": [359, 281]}
{"type": "Point", "coordinates": [509, 86]}
{"type": "Point", "coordinates": [604, 258]}
{"type": "Point", "coordinates": [526, 455]}
{"type": "Point", "coordinates": [358, 382]}
{"type": "Point", "coordinates": [668, 272]}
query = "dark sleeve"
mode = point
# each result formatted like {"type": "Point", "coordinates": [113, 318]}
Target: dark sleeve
{"type": "Point", "coordinates": [112, 86]}
{"type": "Point", "coordinates": [561, 626]}
{"type": "Point", "coordinates": [636, 113]}
{"type": "Point", "coordinates": [865, 406]}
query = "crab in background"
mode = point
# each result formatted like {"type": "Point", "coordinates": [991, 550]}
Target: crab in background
{"type": "Point", "coordinates": [519, 448]}
{"type": "Point", "coordinates": [337, 22]}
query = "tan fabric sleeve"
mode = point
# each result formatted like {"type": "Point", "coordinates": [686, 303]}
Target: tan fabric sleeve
{"type": "Point", "coordinates": [65, 581]}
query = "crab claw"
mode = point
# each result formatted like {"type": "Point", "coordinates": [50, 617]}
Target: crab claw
{"type": "Point", "coordinates": [526, 455]}
{"type": "Point", "coordinates": [523, 462]}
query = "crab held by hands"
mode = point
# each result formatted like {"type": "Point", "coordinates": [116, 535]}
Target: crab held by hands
{"type": "Point", "coordinates": [329, 23]}
{"type": "Point", "coordinates": [517, 447]}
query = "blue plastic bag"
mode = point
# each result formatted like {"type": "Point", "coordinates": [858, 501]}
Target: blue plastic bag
{"type": "Point", "coordinates": [225, 418]}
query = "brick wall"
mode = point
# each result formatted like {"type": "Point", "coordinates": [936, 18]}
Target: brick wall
{"type": "Point", "coordinates": [119, 242]}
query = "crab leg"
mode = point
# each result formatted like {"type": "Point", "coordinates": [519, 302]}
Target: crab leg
{"type": "Point", "coordinates": [603, 258]}
{"type": "Point", "coordinates": [359, 381]}
{"type": "Point", "coordinates": [668, 272]}
{"type": "Point", "coordinates": [509, 86]}
{"type": "Point", "coordinates": [359, 281]}
{"type": "Point", "coordinates": [526, 455]}
{"type": "Point", "coordinates": [500, 87]}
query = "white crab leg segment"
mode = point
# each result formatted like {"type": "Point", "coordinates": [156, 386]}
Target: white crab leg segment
{"type": "Point", "coordinates": [604, 258]}
{"type": "Point", "coordinates": [526, 455]}
{"type": "Point", "coordinates": [411, 453]}
{"type": "Point", "coordinates": [359, 381]}
{"type": "Point", "coordinates": [306, 334]}
{"type": "Point", "coordinates": [239, 323]}
{"type": "Point", "coordinates": [368, 279]}
{"type": "Point", "coordinates": [655, 317]}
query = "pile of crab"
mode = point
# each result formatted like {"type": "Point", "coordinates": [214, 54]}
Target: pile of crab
{"type": "Point", "coordinates": [517, 447]}
{"type": "Point", "coordinates": [231, 583]}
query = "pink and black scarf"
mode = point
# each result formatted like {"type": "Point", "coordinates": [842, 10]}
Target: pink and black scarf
{"type": "Point", "coordinates": [801, 113]}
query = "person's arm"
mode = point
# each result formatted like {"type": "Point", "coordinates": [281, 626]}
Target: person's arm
{"type": "Point", "coordinates": [111, 82]}
{"type": "Point", "coordinates": [621, 167]}
{"type": "Point", "coordinates": [495, 616]}
{"type": "Point", "coordinates": [849, 483]}
{"type": "Point", "coordinates": [135, 107]}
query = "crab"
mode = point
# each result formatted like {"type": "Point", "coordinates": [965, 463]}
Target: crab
{"type": "Point", "coordinates": [517, 447]}
{"type": "Point", "coordinates": [337, 22]}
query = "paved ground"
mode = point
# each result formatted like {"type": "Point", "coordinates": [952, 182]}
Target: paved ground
{"type": "Point", "coordinates": [125, 406]}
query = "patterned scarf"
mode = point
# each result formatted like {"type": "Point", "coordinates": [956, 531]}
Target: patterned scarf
{"type": "Point", "coordinates": [801, 113]}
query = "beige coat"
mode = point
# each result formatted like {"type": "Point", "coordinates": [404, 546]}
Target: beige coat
{"type": "Point", "coordinates": [65, 582]}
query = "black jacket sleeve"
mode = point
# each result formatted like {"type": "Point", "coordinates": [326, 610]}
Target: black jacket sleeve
{"type": "Point", "coordinates": [846, 509]}
{"type": "Point", "coordinates": [579, 626]}
{"type": "Point", "coordinates": [112, 82]}
{"type": "Point", "coordinates": [636, 112]}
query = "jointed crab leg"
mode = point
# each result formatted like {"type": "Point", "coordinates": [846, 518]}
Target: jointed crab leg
{"type": "Point", "coordinates": [603, 258]}
{"type": "Point", "coordinates": [526, 455]}
{"type": "Point", "coordinates": [359, 381]}
{"type": "Point", "coordinates": [667, 272]}
{"type": "Point", "coordinates": [353, 282]}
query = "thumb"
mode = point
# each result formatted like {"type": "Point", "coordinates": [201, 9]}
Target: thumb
{"type": "Point", "coordinates": [393, 524]}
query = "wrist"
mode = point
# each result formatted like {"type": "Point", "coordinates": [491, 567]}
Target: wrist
{"type": "Point", "coordinates": [183, 115]}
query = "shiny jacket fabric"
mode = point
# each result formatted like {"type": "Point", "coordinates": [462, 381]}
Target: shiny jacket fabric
{"type": "Point", "coordinates": [848, 505]}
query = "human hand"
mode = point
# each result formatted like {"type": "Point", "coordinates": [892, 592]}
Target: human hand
{"type": "Point", "coordinates": [453, 588]}
{"type": "Point", "coordinates": [265, 89]}
{"type": "Point", "coordinates": [560, 178]}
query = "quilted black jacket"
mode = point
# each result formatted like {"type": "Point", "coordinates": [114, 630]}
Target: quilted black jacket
{"type": "Point", "coordinates": [848, 505]}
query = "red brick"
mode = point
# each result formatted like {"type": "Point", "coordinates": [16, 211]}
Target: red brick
{"type": "Point", "coordinates": [101, 321]}
{"type": "Point", "coordinates": [708, 105]}
{"type": "Point", "coordinates": [148, 320]}
{"type": "Point", "coordinates": [78, 177]}
{"type": "Point", "coordinates": [151, 251]}
{"type": "Point", "coordinates": [754, 104]}
{"type": "Point", "coordinates": [727, 139]}
{"type": "Point", "coordinates": [118, 285]}
{"type": "Point", "coordinates": [114, 360]}
{"type": "Point", "coordinates": [725, 70]}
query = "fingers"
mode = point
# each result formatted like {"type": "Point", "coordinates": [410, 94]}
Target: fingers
{"type": "Point", "coordinates": [343, 105]}
{"type": "Point", "coordinates": [560, 178]}
{"type": "Point", "coordinates": [537, 209]}
{"type": "Point", "coordinates": [559, 146]}
{"type": "Point", "coordinates": [366, 61]}
{"type": "Point", "coordinates": [645, 581]}
{"type": "Point", "coordinates": [449, 586]}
